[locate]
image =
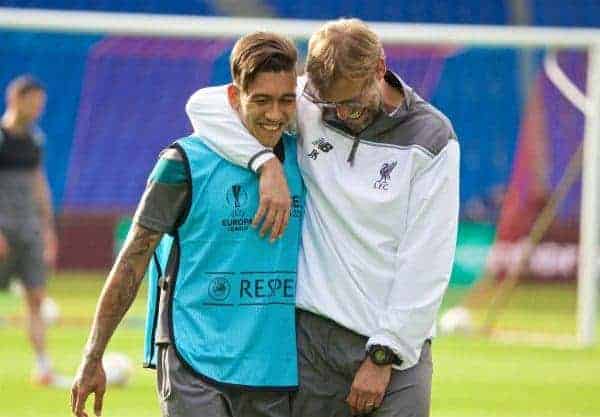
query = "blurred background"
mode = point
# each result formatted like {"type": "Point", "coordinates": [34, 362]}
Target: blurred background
{"type": "Point", "coordinates": [115, 101]}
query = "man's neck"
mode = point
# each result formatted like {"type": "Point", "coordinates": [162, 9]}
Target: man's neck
{"type": "Point", "coordinates": [392, 97]}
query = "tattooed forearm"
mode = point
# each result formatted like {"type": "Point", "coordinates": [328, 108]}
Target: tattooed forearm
{"type": "Point", "coordinates": [121, 287]}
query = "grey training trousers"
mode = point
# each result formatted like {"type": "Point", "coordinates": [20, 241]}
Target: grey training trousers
{"type": "Point", "coordinates": [183, 394]}
{"type": "Point", "coordinates": [329, 357]}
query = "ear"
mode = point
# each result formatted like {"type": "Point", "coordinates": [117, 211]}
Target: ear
{"type": "Point", "coordinates": [381, 68]}
{"type": "Point", "coordinates": [233, 94]}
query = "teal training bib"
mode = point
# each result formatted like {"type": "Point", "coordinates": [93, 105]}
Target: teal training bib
{"type": "Point", "coordinates": [233, 300]}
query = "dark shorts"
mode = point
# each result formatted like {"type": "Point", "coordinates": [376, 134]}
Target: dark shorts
{"type": "Point", "coordinates": [329, 357]}
{"type": "Point", "coordinates": [182, 394]}
{"type": "Point", "coordinates": [25, 260]}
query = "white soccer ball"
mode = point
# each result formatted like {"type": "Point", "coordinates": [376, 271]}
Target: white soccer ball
{"type": "Point", "coordinates": [456, 320]}
{"type": "Point", "coordinates": [118, 368]}
{"type": "Point", "coordinates": [50, 311]}
{"type": "Point", "coordinates": [16, 288]}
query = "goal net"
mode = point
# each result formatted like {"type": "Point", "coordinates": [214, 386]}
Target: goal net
{"type": "Point", "coordinates": [524, 103]}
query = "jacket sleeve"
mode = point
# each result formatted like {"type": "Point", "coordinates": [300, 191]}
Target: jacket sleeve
{"type": "Point", "coordinates": [218, 125]}
{"type": "Point", "coordinates": [424, 259]}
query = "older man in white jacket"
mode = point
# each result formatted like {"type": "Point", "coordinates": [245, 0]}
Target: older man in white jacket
{"type": "Point", "coordinates": [381, 170]}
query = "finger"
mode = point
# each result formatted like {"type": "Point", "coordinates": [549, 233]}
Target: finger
{"type": "Point", "coordinates": [370, 405]}
{"type": "Point", "coordinates": [98, 398]}
{"type": "Point", "coordinates": [277, 224]}
{"type": "Point", "coordinates": [259, 214]}
{"type": "Point", "coordinates": [361, 404]}
{"type": "Point", "coordinates": [73, 397]}
{"type": "Point", "coordinates": [352, 401]}
{"type": "Point", "coordinates": [80, 405]}
{"type": "Point", "coordinates": [353, 410]}
{"type": "Point", "coordinates": [375, 402]}
{"type": "Point", "coordinates": [379, 400]}
{"type": "Point", "coordinates": [280, 225]}
{"type": "Point", "coordinates": [268, 223]}
{"type": "Point", "coordinates": [366, 402]}
{"type": "Point", "coordinates": [286, 220]}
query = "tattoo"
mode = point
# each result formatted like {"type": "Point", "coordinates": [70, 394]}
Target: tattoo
{"type": "Point", "coordinates": [121, 287]}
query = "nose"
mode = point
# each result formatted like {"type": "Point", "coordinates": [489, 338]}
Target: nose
{"type": "Point", "coordinates": [275, 112]}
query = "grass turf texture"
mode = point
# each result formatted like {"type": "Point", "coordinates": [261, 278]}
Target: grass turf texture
{"type": "Point", "coordinates": [472, 377]}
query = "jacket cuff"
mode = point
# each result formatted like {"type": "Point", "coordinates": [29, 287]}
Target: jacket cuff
{"type": "Point", "coordinates": [259, 159]}
{"type": "Point", "coordinates": [385, 339]}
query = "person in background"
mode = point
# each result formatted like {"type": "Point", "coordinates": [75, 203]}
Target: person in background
{"type": "Point", "coordinates": [28, 243]}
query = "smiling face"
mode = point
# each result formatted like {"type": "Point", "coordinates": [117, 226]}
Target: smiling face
{"type": "Point", "coordinates": [356, 102]}
{"type": "Point", "coordinates": [345, 65]}
{"type": "Point", "coordinates": [267, 106]}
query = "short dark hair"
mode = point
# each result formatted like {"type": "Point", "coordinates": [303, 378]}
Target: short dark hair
{"type": "Point", "coordinates": [261, 52]}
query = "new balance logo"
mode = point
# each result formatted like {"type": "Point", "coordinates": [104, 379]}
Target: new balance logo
{"type": "Point", "coordinates": [319, 145]}
{"type": "Point", "coordinates": [313, 154]}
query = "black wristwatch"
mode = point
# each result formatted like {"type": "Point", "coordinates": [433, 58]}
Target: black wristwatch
{"type": "Point", "coordinates": [382, 355]}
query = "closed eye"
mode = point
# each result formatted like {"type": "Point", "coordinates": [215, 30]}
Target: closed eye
{"type": "Point", "coordinates": [261, 100]}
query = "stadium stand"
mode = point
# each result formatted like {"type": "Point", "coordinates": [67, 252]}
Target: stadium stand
{"type": "Point", "coordinates": [497, 12]}
{"type": "Point", "coordinates": [199, 7]}
{"type": "Point", "coordinates": [101, 146]}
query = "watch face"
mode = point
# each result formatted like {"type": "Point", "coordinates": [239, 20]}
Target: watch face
{"type": "Point", "coordinates": [379, 356]}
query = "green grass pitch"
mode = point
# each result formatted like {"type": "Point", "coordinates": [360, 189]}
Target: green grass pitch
{"type": "Point", "coordinates": [472, 377]}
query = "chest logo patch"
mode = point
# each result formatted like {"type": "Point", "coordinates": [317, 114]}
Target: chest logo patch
{"type": "Point", "coordinates": [236, 196]}
{"type": "Point", "coordinates": [385, 178]}
{"type": "Point", "coordinates": [237, 200]}
{"type": "Point", "coordinates": [319, 145]}
{"type": "Point", "coordinates": [219, 288]}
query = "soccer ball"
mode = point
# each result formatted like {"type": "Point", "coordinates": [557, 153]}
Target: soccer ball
{"type": "Point", "coordinates": [456, 320]}
{"type": "Point", "coordinates": [50, 311]}
{"type": "Point", "coordinates": [117, 367]}
{"type": "Point", "coordinates": [16, 288]}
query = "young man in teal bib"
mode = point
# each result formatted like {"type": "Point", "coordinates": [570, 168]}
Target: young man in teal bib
{"type": "Point", "coordinates": [220, 328]}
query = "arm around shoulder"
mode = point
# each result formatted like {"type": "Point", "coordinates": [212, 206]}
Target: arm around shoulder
{"type": "Point", "coordinates": [219, 126]}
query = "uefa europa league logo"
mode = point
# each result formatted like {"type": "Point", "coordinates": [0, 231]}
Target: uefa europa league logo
{"type": "Point", "coordinates": [237, 198]}
{"type": "Point", "coordinates": [236, 190]}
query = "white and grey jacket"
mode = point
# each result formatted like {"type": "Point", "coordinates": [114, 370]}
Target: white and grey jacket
{"type": "Point", "coordinates": [379, 233]}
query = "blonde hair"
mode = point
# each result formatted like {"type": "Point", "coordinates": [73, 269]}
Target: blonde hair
{"type": "Point", "coordinates": [345, 48]}
{"type": "Point", "coordinates": [261, 52]}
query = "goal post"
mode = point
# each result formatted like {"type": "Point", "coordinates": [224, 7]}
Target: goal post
{"type": "Point", "coordinates": [589, 260]}
{"type": "Point", "coordinates": [214, 26]}
{"type": "Point", "coordinates": [190, 27]}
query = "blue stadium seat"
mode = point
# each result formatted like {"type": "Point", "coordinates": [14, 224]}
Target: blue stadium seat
{"type": "Point", "coordinates": [459, 11]}
{"type": "Point", "coordinates": [199, 7]}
